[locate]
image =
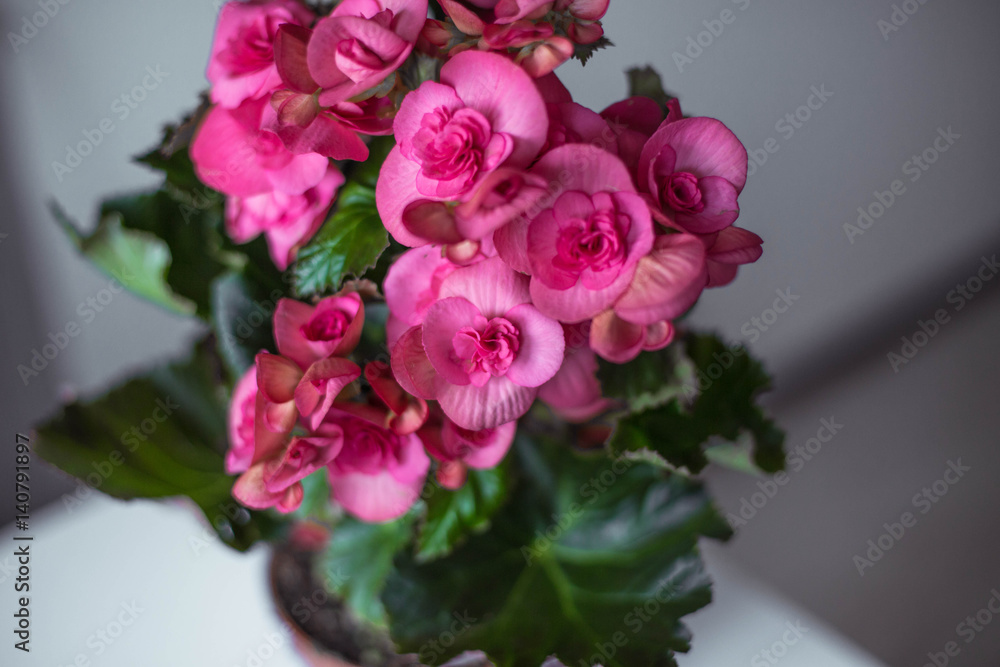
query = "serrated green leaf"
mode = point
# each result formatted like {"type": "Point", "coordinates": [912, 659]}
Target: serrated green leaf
{"type": "Point", "coordinates": [724, 406]}
{"type": "Point", "coordinates": [349, 243]}
{"type": "Point", "coordinates": [158, 436]}
{"type": "Point", "coordinates": [452, 515]}
{"type": "Point", "coordinates": [649, 380]}
{"type": "Point", "coordinates": [358, 560]}
{"type": "Point", "coordinates": [584, 52]}
{"type": "Point", "coordinates": [582, 543]}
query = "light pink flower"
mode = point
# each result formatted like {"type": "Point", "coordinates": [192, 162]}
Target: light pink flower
{"type": "Point", "coordinates": [667, 282]}
{"type": "Point", "coordinates": [483, 349]}
{"type": "Point", "coordinates": [583, 249]}
{"type": "Point", "coordinates": [695, 169]}
{"type": "Point", "coordinates": [241, 423]}
{"type": "Point", "coordinates": [485, 113]}
{"type": "Point", "coordinates": [619, 341]}
{"type": "Point", "coordinates": [361, 43]}
{"type": "Point", "coordinates": [288, 221]}
{"type": "Point", "coordinates": [232, 154]}
{"type": "Point", "coordinates": [306, 334]}
{"type": "Point", "coordinates": [634, 121]}
{"type": "Point", "coordinates": [241, 64]}
{"type": "Point", "coordinates": [412, 286]}
{"type": "Point", "coordinates": [378, 474]}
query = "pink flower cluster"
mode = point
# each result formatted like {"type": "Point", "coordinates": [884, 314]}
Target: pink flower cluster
{"type": "Point", "coordinates": [301, 410]}
{"type": "Point", "coordinates": [542, 234]}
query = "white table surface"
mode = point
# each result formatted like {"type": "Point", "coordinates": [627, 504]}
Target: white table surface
{"type": "Point", "coordinates": [190, 601]}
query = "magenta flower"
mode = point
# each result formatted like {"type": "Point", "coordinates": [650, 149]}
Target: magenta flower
{"type": "Point", "coordinates": [727, 250]}
{"type": "Point", "coordinates": [412, 286]}
{"type": "Point", "coordinates": [583, 250]}
{"type": "Point", "coordinates": [378, 473]}
{"type": "Point", "coordinates": [668, 281]}
{"type": "Point", "coordinates": [288, 221]}
{"type": "Point", "coordinates": [232, 154]}
{"type": "Point", "coordinates": [241, 423]}
{"type": "Point", "coordinates": [695, 169]}
{"type": "Point", "coordinates": [620, 341]}
{"type": "Point", "coordinates": [485, 113]}
{"type": "Point", "coordinates": [457, 449]}
{"type": "Point", "coordinates": [360, 44]}
{"type": "Point", "coordinates": [241, 65]}
{"type": "Point", "coordinates": [483, 348]}
{"type": "Point", "coordinates": [574, 394]}
{"type": "Point", "coordinates": [307, 334]}
{"type": "Point", "coordinates": [634, 121]}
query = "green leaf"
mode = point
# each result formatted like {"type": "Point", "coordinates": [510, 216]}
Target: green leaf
{"type": "Point", "coordinates": [724, 406]}
{"type": "Point", "coordinates": [584, 52]}
{"type": "Point", "coordinates": [583, 542]}
{"type": "Point", "coordinates": [452, 515]}
{"type": "Point", "coordinates": [138, 260]}
{"type": "Point", "coordinates": [358, 560]}
{"type": "Point", "coordinates": [649, 380]}
{"type": "Point", "coordinates": [158, 436]}
{"type": "Point", "coordinates": [646, 82]}
{"type": "Point", "coordinates": [242, 311]}
{"type": "Point", "coordinates": [349, 243]}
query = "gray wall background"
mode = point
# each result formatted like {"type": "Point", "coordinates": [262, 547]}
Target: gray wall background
{"type": "Point", "coordinates": [891, 93]}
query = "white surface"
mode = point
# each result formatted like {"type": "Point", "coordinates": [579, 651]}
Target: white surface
{"type": "Point", "coordinates": [201, 604]}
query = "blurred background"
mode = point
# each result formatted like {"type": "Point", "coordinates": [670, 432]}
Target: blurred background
{"type": "Point", "coordinates": [871, 130]}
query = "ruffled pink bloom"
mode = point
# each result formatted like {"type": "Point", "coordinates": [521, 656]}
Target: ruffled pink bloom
{"type": "Point", "coordinates": [483, 348]}
{"type": "Point", "coordinates": [634, 121]}
{"type": "Point", "coordinates": [620, 341]}
{"type": "Point", "coordinates": [361, 43]}
{"type": "Point", "coordinates": [572, 123]}
{"type": "Point", "coordinates": [307, 334]}
{"type": "Point", "coordinates": [241, 65]}
{"type": "Point", "coordinates": [412, 286]}
{"type": "Point", "coordinates": [287, 221]}
{"type": "Point", "coordinates": [485, 113]}
{"type": "Point", "coordinates": [695, 169]}
{"type": "Point", "coordinates": [456, 449]}
{"type": "Point", "coordinates": [727, 250]}
{"type": "Point", "coordinates": [232, 154]}
{"type": "Point", "coordinates": [379, 474]}
{"type": "Point", "coordinates": [583, 250]}
{"type": "Point", "coordinates": [241, 423]}
{"type": "Point", "coordinates": [574, 394]}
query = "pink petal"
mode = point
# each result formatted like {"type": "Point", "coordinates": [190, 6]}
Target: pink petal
{"type": "Point", "coordinates": [412, 368]}
{"type": "Point", "coordinates": [542, 347]}
{"type": "Point", "coordinates": [428, 97]}
{"type": "Point", "coordinates": [325, 136]}
{"type": "Point", "coordinates": [290, 57]}
{"type": "Point", "coordinates": [704, 147]}
{"type": "Point", "coordinates": [635, 113]}
{"type": "Point", "coordinates": [290, 317]}
{"type": "Point", "coordinates": [409, 413]}
{"type": "Point", "coordinates": [615, 339]}
{"type": "Point", "coordinates": [584, 168]}
{"type": "Point", "coordinates": [490, 285]}
{"type": "Point", "coordinates": [300, 174]}
{"type": "Point", "coordinates": [251, 492]}
{"type": "Point", "coordinates": [465, 19]}
{"type": "Point", "coordinates": [736, 246]}
{"type": "Point", "coordinates": [667, 282]}
{"type": "Point", "coordinates": [497, 402]}
{"type": "Point", "coordinates": [506, 95]}
{"type": "Point", "coordinates": [578, 303]}
{"type": "Point", "coordinates": [241, 448]}
{"type": "Point", "coordinates": [574, 394]}
{"type": "Point", "coordinates": [485, 449]}
{"type": "Point", "coordinates": [223, 154]}
{"type": "Point", "coordinates": [395, 190]}
{"type": "Point", "coordinates": [432, 221]}
{"type": "Point", "coordinates": [721, 207]}
{"type": "Point", "coordinates": [320, 386]}
{"type": "Point", "coordinates": [412, 283]}
{"type": "Point", "coordinates": [659, 335]}
{"type": "Point", "coordinates": [511, 242]}
{"type": "Point", "coordinates": [443, 321]}
{"type": "Point", "coordinates": [552, 89]}
{"type": "Point", "coordinates": [503, 195]}
{"type": "Point", "coordinates": [277, 377]}
{"type": "Point", "coordinates": [388, 494]}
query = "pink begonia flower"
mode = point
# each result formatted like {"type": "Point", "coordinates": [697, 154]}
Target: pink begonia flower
{"type": "Point", "coordinates": [485, 113]}
{"type": "Point", "coordinates": [388, 405]}
{"type": "Point", "coordinates": [727, 250]}
{"type": "Point", "coordinates": [360, 44]}
{"type": "Point", "coordinates": [287, 221]}
{"type": "Point", "coordinates": [412, 286]}
{"type": "Point", "coordinates": [378, 474]}
{"type": "Point", "coordinates": [296, 116]}
{"type": "Point", "coordinates": [574, 394]}
{"type": "Point", "coordinates": [583, 249]}
{"type": "Point", "coordinates": [634, 121]}
{"type": "Point", "coordinates": [619, 341]}
{"type": "Point", "coordinates": [456, 449]}
{"type": "Point", "coordinates": [572, 123]}
{"type": "Point", "coordinates": [695, 169]}
{"type": "Point", "coordinates": [668, 281]}
{"type": "Point", "coordinates": [483, 348]}
{"type": "Point", "coordinates": [232, 154]}
{"type": "Point", "coordinates": [241, 423]}
{"type": "Point", "coordinates": [306, 334]}
{"type": "Point", "coordinates": [241, 64]}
